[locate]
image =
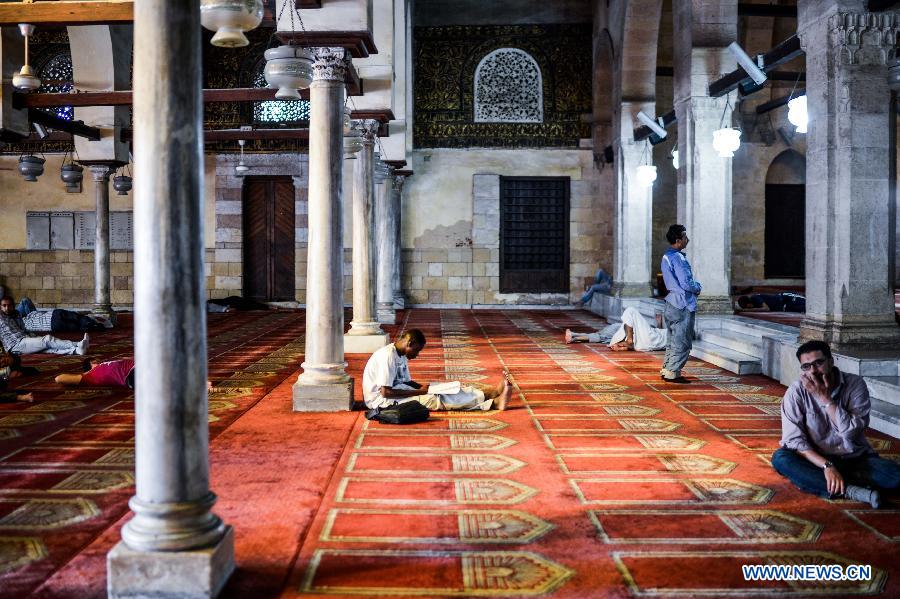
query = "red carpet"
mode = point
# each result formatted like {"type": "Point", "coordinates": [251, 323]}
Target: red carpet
{"type": "Point", "coordinates": [601, 481]}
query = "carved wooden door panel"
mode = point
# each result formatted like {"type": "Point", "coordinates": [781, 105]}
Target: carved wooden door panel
{"type": "Point", "coordinates": [534, 234]}
{"type": "Point", "coordinates": [268, 225]}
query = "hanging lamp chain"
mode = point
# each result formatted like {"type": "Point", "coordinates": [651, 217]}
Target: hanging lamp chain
{"type": "Point", "coordinates": [725, 110]}
{"type": "Point", "coordinates": [294, 12]}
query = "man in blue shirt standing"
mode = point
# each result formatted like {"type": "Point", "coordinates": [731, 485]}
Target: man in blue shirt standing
{"type": "Point", "coordinates": [681, 304]}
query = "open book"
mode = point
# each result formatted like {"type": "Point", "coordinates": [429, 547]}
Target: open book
{"type": "Point", "coordinates": [444, 388]}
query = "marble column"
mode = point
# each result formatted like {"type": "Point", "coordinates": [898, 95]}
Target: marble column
{"type": "Point", "coordinates": [634, 209]}
{"type": "Point", "coordinates": [397, 267]}
{"type": "Point", "coordinates": [386, 247]}
{"type": "Point", "coordinates": [704, 180]}
{"type": "Point", "coordinates": [174, 546]}
{"type": "Point", "coordinates": [365, 334]}
{"type": "Point", "coordinates": [102, 304]}
{"type": "Point", "coordinates": [850, 212]}
{"type": "Point", "coordinates": [324, 385]}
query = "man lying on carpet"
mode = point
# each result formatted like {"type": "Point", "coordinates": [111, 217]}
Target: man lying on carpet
{"type": "Point", "coordinates": [16, 340]}
{"type": "Point", "coordinates": [10, 367]}
{"type": "Point", "coordinates": [235, 303]}
{"type": "Point", "coordinates": [824, 450]}
{"type": "Point", "coordinates": [386, 381]}
{"type": "Point", "coordinates": [114, 373]}
{"type": "Point", "coordinates": [57, 320]}
{"type": "Point", "coordinates": [633, 333]}
{"type": "Point", "coordinates": [784, 301]}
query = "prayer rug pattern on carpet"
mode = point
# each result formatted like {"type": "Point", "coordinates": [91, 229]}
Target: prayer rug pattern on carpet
{"type": "Point", "coordinates": [67, 459]}
{"type": "Point", "coordinates": [600, 481]}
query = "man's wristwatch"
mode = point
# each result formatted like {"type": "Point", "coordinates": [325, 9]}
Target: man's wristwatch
{"type": "Point", "coordinates": [827, 465]}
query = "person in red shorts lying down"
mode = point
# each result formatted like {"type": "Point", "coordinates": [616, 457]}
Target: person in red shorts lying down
{"type": "Point", "coordinates": [114, 373]}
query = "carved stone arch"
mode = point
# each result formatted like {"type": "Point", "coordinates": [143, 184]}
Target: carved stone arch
{"type": "Point", "coordinates": [508, 88]}
{"type": "Point", "coordinates": [101, 61]}
{"type": "Point", "coordinates": [788, 168]}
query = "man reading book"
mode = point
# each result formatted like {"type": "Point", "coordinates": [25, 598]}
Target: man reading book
{"type": "Point", "coordinates": [386, 381]}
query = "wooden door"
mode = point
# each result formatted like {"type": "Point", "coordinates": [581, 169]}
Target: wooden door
{"type": "Point", "coordinates": [268, 225]}
{"type": "Point", "coordinates": [785, 231]}
{"type": "Point", "coordinates": [534, 234]}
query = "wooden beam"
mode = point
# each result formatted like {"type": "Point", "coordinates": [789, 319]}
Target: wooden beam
{"type": "Point", "coordinates": [778, 102]}
{"type": "Point", "coordinates": [404, 173]}
{"type": "Point", "coordinates": [124, 97]}
{"type": "Point", "coordinates": [396, 165]}
{"type": "Point", "coordinates": [60, 13]}
{"type": "Point", "coordinates": [382, 115]}
{"type": "Point", "coordinates": [882, 5]}
{"type": "Point", "coordinates": [780, 54]}
{"type": "Point", "coordinates": [60, 124]}
{"type": "Point", "coordinates": [214, 135]}
{"type": "Point", "coordinates": [360, 44]}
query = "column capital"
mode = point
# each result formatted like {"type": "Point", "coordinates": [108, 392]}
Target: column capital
{"type": "Point", "coordinates": [368, 128]}
{"type": "Point", "coordinates": [863, 38]}
{"type": "Point", "coordinates": [330, 64]}
{"type": "Point", "coordinates": [397, 183]}
{"type": "Point", "coordinates": [101, 172]}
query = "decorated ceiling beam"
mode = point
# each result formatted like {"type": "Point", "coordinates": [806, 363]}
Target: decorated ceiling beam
{"type": "Point", "coordinates": [60, 124]}
{"type": "Point", "coordinates": [60, 13]}
{"type": "Point", "coordinates": [124, 97]}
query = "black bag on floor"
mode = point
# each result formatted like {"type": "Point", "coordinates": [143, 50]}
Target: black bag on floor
{"type": "Point", "coordinates": [409, 412]}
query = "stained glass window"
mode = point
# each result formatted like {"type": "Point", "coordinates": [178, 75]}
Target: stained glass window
{"type": "Point", "coordinates": [278, 111]}
{"type": "Point", "coordinates": [56, 77]}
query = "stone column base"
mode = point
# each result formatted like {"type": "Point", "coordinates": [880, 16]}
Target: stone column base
{"type": "Point", "coordinates": [716, 304]}
{"type": "Point", "coordinates": [336, 397]}
{"type": "Point", "coordinates": [365, 344]}
{"type": "Point", "coordinates": [105, 311]}
{"type": "Point", "coordinates": [385, 316]}
{"type": "Point", "coordinates": [871, 334]}
{"type": "Point", "coordinates": [199, 573]}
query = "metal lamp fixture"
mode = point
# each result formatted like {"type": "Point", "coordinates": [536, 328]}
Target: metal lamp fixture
{"type": "Point", "coordinates": [676, 164]}
{"type": "Point", "coordinates": [71, 174]}
{"type": "Point", "coordinates": [230, 19]}
{"type": "Point", "coordinates": [241, 169]}
{"type": "Point", "coordinates": [289, 67]}
{"type": "Point", "coordinates": [645, 173]}
{"type": "Point", "coordinates": [726, 140]}
{"type": "Point", "coordinates": [122, 183]}
{"type": "Point", "coordinates": [31, 167]}
{"type": "Point", "coordinates": [797, 114]}
{"type": "Point", "coordinates": [25, 79]}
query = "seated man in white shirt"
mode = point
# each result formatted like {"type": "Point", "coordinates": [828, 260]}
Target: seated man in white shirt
{"type": "Point", "coordinates": [386, 381]}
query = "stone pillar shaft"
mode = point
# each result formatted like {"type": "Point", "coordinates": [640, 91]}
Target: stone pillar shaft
{"type": "Point", "coordinates": [397, 268]}
{"type": "Point", "coordinates": [174, 545]}
{"type": "Point", "coordinates": [850, 212]}
{"type": "Point", "coordinates": [363, 324]}
{"type": "Point", "coordinates": [387, 247]}
{"type": "Point", "coordinates": [102, 303]}
{"type": "Point", "coordinates": [704, 187]}
{"type": "Point", "coordinates": [324, 384]}
{"type": "Point", "coordinates": [634, 209]}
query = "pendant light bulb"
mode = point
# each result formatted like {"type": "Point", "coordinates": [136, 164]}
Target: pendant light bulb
{"type": "Point", "coordinates": [241, 169]}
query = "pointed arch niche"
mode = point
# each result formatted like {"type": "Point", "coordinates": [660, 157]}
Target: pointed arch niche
{"type": "Point", "coordinates": [508, 88]}
{"type": "Point", "coordinates": [785, 217]}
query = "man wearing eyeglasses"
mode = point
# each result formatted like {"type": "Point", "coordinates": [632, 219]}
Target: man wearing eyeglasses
{"type": "Point", "coordinates": [824, 450]}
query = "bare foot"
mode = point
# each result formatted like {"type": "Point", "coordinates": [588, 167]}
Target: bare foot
{"type": "Point", "coordinates": [503, 398]}
{"type": "Point", "coordinates": [569, 336]}
{"type": "Point", "coordinates": [25, 397]}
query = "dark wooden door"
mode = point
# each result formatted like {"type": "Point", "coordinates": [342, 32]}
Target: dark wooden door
{"type": "Point", "coordinates": [534, 234]}
{"type": "Point", "coordinates": [268, 209]}
{"type": "Point", "coordinates": [785, 231]}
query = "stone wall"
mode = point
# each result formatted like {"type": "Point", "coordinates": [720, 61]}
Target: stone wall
{"type": "Point", "coordinates": [451, 223]}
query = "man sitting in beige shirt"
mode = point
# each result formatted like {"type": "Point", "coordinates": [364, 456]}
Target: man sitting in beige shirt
{"type": "Point", "coordinates": [824, 450]}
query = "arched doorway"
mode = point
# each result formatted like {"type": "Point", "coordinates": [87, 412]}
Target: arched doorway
{"type": "Point", "coordinates": [785, 256]}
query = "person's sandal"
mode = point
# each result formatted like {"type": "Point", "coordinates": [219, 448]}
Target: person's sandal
{"type": "Point", "coordinates": [678, 379]}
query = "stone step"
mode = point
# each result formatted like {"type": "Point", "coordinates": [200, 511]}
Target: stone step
{"type": "Point", "coordinates": [757, 328]}
{"type": "Point", "coordinates": [885, 395]}
{"type": "Point", "coordinates": [745, 344]}
{"type": "Point", "coordinates": [723, 357]}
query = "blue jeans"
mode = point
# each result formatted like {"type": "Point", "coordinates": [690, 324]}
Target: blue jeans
{"type": "Point", "coordinates": [26, 307]}
{"type": "Point", "coordinates": [681, 338]}
{"type": "Point", "coordinates": [867, 470]}
{"type": "Point", "coordinates": [595, 288]}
